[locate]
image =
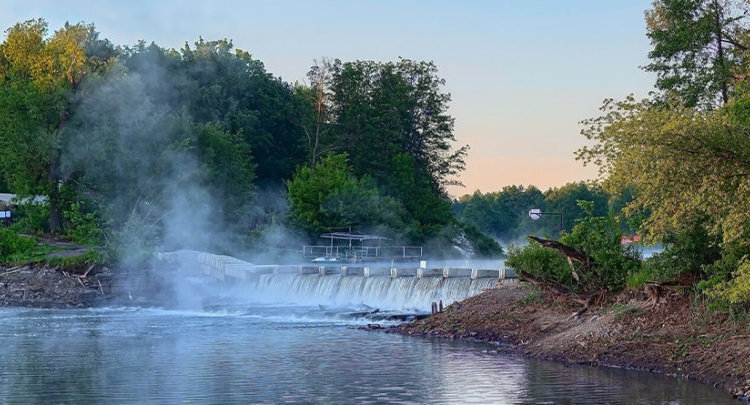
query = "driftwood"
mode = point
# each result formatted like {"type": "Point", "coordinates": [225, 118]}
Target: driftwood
{"type": "Point", "coordinates": [654, 291]}
{"type": "Point", "coordinates": [86, 273]}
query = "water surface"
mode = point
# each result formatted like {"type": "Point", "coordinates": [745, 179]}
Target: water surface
{"type": "Point", "coordinates": [266, 354]}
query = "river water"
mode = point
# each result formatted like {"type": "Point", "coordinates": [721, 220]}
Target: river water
{"type": "Point", "coordinates": [272, 354]}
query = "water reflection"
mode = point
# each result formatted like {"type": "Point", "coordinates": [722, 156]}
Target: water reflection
{"type": "Point", "coordinates": [130, 355]}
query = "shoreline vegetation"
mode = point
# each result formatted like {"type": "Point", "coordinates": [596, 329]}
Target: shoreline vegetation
{"type": "Point", "coordinates": [125, 150]}
{"type": "Point", "coordinates": [676, 336]}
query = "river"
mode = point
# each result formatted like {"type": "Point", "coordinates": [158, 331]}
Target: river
{"type": "Point", "coordinates": [272, 354]}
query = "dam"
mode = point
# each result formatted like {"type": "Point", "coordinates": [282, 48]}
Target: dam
{"type": "Point", "coordinates": [391, 286]}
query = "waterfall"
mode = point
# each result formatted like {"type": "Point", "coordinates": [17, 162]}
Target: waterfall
{"type": "Point", "coordinates": [406, 288]}
{"type": "Point", "coordinates": [387, 293]}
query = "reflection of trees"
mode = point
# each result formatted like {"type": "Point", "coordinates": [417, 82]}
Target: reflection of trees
{"type": "Point", "coordinates": [44, 363]}
{"type": "Point", "coordinates": [56, 357]}
{"type": "Point", "coordinates": [560, 383]}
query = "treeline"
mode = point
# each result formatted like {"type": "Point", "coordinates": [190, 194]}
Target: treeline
{"type": "Point", "coordinates": [685, 154]}
{"type": "Point", "coordinates": [504, 214]}
{"type": "Point", "coordinates": [140, 146]}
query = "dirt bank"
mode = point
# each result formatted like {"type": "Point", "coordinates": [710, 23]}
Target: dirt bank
{"type": "Point", "coordinates": [676, 337]}
{"type": "Point", "coordinates": [54, 286]}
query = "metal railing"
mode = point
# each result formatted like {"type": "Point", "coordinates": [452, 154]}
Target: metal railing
{"type": "Point", "coordinates": [362, 252]}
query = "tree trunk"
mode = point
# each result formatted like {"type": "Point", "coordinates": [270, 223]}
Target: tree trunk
{"type": "Point", "coordinates": [55, 217]}
{"type": "Point", "coordinates": [721, 62]}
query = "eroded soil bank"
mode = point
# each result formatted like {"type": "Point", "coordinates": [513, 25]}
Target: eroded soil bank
{"type": "Point", "coordinates": [675, 337]}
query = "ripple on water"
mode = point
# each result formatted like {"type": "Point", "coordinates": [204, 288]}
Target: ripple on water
{"type": "Point", "coordinates": [261, 355]}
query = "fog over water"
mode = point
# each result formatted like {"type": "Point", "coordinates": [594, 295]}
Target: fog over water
{"type": "Point", "coordinates": [270, 354]}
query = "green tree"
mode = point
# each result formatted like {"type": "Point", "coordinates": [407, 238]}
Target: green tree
{"type": "Point", "coordinates": [503, 214]}
{"type": "Point", "coordinates": [315, 110]}
{"type": "Point", "coordinates": [39, 79]}
{"type": "Point", "coordinates": [689, 167]}
{"type": "Point", "coordinates": [565, 200]}
{"type": "Point", "coordinates": [698, 47]}
{"type": "Point", "coordinates": [227, 86]}
{"type": "Point", "coordinates": [331, 196]}
{"type": "Point", "coordinates": [384, 109]}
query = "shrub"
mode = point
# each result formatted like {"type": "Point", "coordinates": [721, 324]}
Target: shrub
{"type": "Point", "coordinates": [637, 278]}
{"type": "Point", "coordinates": [31, 218]}
{"type": "Point", "coordinates": [82, 227]}
{"type": "Point", "coordinates": [541, 263]}
{"type": "Point", "coordinates": [689, 252]}
{"type": "Point", "coordinates": [599, 237]}
{"type": "Point", "coordinates": [736, 290]}
{"type": "Point", "coordinates": [13, 245]}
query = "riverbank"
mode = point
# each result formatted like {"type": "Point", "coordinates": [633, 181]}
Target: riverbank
{"type": "Point", "coordinates": [49, 286]}
{"type": "Point", "coordinates": [676, 337]}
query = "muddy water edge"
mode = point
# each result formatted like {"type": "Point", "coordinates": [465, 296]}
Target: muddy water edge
{"type": "Point", "coordinates": [677, 337]}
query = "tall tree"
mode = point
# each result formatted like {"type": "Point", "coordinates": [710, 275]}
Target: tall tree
{"type": "Point", "coordinates": [315, 106]}
{"type": "Point", "coordinates": [39, 79]}
{"type": "Point", "coordinates": [698, 46]}
{"type": "Point", "coordinates": [689, 167]}
{"type": "Point", "coordinates": [227, 86]}
{"type": "Point", "coordinates": [383, 109]}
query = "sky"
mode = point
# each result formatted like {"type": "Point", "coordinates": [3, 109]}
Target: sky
{"type": "Point", "coordinates": [522, 74]}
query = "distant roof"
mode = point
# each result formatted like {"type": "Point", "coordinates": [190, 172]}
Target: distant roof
{"type": "Point", "coordinates": [7, 197]}
{"type": "Point", "coordinates": [351, 235]}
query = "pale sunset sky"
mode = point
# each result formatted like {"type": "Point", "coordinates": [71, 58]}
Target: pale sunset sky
{"type": "Point", "coordinates": [522, 74]}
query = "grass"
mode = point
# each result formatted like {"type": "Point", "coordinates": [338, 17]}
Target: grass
{"type": "Point", "coordinates": [40, 254]}
{"type": "Point", "coordinates": [533, 297]}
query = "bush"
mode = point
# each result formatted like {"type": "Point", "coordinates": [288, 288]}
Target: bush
{"type": "Point", "coordinates": [736, 290]}
{"type": "Point", "coordinates": [597, 236]}
{"type": "Point", "coordinates": [637, 278]}
{"type": "Point", "coordinates": [31, 218]}
{"type": "Point", "coordinates": [82, 227]}
{"type": "Point", "coordinates": [483, 245]}
{"type": "Point", "coordinates": [13, 245]}
{"type": "Point", "coordinates": [600, 237]}
{"type": "Point", "coordinates": [541, 263]}
{"type": "Point", "coordinates": [690, 252]}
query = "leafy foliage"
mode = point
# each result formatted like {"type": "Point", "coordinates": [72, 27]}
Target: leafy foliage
{"type": "Point", "coordinates": [504, 214]}
{"type": "Point", "coordinates": [698, 48]}
{"type": "Point", "coordinates": [83, 227]}
{"type": "Point", "coordinates": [687, 253]}
{"type": "Point", "coordinates": [691, 170]}
{"type": "Point", "coordinates": [598, 237]}
{"type": "Point", "coordinates": [39, 75]}
{"type": "Point", "coordinates": [541, 263]}
{"type": "Point", "coordinates": [12, 244]}
{"type": "Point", "coordinates": [687, 165]}
{"type": "Point", "coordinates": [737, 289]}
{"type": "Point", "coordinates": [124, 140]}
{"type": "Point", "coordinates": [383, 109]}
{"type": "Point", "coordinates": [330, 196]}
{"type": "Point", "coordinates": [31, 218]}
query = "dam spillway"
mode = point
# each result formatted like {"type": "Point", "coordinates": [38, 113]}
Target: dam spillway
{"type": "Point", "coordinates": [396, 286]}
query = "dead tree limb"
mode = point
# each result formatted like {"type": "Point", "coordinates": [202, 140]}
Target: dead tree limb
{"type": "Point", "coordinates": [570, 252]}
